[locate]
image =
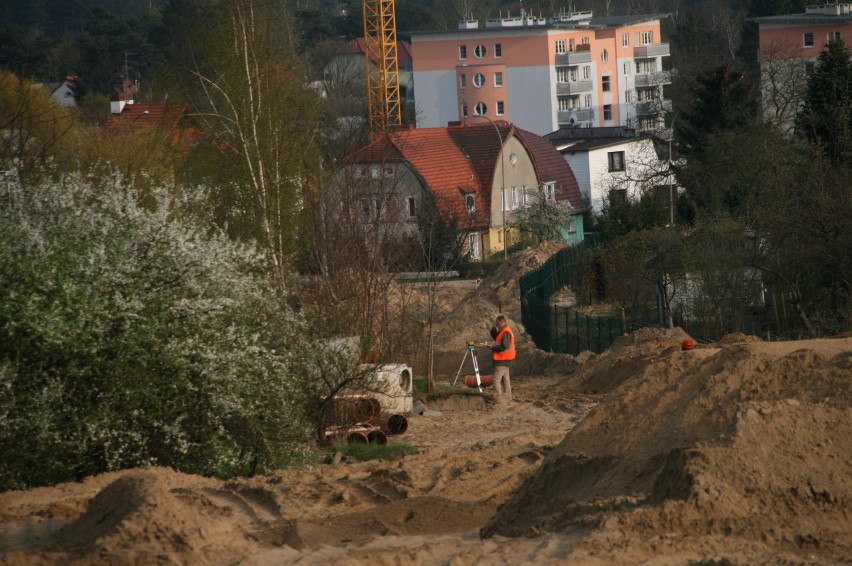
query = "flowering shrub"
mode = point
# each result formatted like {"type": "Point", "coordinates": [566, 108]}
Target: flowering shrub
{"type": "Point", "coordinates": [137, 335]}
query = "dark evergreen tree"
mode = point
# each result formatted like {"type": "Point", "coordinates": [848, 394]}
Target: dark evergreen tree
{"type": "Point", "coordinates": [826, 118]}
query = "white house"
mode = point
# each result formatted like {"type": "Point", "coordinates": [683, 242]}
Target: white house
{"type": "Point", "coordinates": [610, 162]}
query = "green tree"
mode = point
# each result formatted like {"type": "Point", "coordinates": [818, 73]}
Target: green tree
{"type": "Point", "coordinates": [133, 336]}
{"type": "Point", "coordinates": [826, 118]}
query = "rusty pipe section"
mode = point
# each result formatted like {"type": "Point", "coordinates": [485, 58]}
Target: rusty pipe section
{"type": "Point", "coordinates": [391, 424]}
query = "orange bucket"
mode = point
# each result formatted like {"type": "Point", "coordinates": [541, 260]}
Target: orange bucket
{"type": "Point", "coordinates": [486, 380]}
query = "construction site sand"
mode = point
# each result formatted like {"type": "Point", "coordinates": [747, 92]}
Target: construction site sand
{"type": "Point", "coordinates": [737, 454]}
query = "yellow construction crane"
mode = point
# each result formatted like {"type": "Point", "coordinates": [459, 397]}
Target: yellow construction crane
{"type": "Point", "coordinates": [382, 65]}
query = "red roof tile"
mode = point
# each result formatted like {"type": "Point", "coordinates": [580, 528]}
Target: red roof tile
{"type": "Point", "coordinates": [140, 116]}
{"type": "Point", "coordinates": [462, 159]}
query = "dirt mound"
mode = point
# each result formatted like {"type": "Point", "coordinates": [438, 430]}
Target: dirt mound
{"type": "Point", "coordinates": [752, 441]}
{"type": "Point", "coordinates": [502, 288]}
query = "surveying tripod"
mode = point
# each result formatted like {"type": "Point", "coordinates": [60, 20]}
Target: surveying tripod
{"type": "Point", "coordinates": [471, 349]}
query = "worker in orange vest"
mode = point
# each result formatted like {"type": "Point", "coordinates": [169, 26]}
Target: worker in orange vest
{"type": "Point", "coordinates": [503, 354]}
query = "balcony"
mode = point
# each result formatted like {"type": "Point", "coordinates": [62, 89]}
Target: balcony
{"type": "Point", "coordinates": [574, 58]}
{"type": "Point", "coordinates": [659, 49]}
{"type": "Point", "coordinates": [574, 87]}
{"type": "Point", "coordinates": [653, 107]}
{"type": "Point", "coordinates": [653, 79]}
{"type": "Point", "coordinates": [578, 115]}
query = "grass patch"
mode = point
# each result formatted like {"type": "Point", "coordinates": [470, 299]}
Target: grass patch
{"type": "Point", "coordinates": [419, 386]}
{"type": "Point", "coordinates": [365, 452]}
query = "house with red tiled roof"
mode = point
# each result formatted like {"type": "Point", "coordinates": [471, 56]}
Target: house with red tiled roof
{"type": "Point", "coordinates": [479, 176]}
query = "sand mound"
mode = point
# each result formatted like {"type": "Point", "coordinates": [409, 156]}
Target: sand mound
{"type": "Point", "coordinates": [752, 440]}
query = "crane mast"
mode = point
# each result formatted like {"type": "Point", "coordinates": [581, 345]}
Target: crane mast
{"type": "Point", "coordinates": [382, 65]}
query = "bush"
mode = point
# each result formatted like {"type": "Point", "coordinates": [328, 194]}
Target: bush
{"type": "Point", "coordinates": [136, 336]}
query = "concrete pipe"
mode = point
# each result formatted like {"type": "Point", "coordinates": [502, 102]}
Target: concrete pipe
{"type": "Point", "coordinates": [355, 409]}
{"type": "Point", "coordinates": [377, 437]}
{"type": "Point", "coordinates": [392, 424]}
{"type": "Point", "coordinates": [486, 380]}
{"type": "Point", "coordinates": [357, 438]}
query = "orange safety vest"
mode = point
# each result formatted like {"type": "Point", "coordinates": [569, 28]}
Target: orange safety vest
{"type": "Point", "coordinates": [508, 353]}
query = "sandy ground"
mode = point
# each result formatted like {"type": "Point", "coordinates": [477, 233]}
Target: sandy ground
{"type": "Point", "coordinates": [646, 454]}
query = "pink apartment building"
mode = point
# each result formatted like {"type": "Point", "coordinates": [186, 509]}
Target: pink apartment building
{"type": "Point", "coordinates": [789, 47]}
{"type": "Point", "coordinates": [541, 74]}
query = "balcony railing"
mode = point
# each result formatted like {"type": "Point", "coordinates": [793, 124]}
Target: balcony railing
{"type": "Point", "coordinates": [651, 107]}
{"type": "Point", "coordinates": [573, 87]}
{"type": "Point", "coordinates": [654, 79]}
{"type": "Point", "coordinates": [658, 49]}
{"type": "Point", "coordinates": [574, 58]}
{"type": "Point", "coordinates": [578, 115]}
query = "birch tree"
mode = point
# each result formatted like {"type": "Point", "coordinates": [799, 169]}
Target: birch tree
{"type": "Point", "coordinates": [252, 102]}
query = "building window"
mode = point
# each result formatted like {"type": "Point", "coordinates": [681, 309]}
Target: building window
{"type": "Point", "coordinates": [498, 79]}
{"type": "Point", "coordinates": [808, 39]}
{"type": "Point", "coordinates": [607, 112]}
{"type": "Point", "coordinates": [810, 68]}
{"type": "Point", "coordinates": [479, 51]}
{"type": "Point", "coordinates": [412, 207]}
{"type": "Point", "coordinates": [572, 225]}
{"type": "Point", "coordinates": [560, 46]}
{"type": "Point", "coordinates": [587, 103]}
{"type": "Point", "coordinates": [585, 40]}
{"type": "Point", "coordinates": [462, 81]}
{"type": "Point", "coordinates": [616, 160]}
{"type": "Point", "coordinates": [478, 80]}
{"type": "Point", "coordinates": [481, 108]}
{"type": "Point", "coordinates": [604, 56]}
{"type": "Point", "coordinates": [498, 50]}
{"type": "Point", "coordinates": [500, 108]}
{"type": "Point", "coordinates": [627, 66]}
{"type": "Point", "coordinates": [628, 96]}
{"type": "Point", "coordinates": [605, 83]}
{"type": "Point", "coordinates": [587, 72]}
{"type": "Point", "coordinates": [571, 46]}
{"type": "Point", "coordinates": [834, 36]}
{"type": "Point", "coordinates": [562, 75]}
{"type": "Point", "coordinates": [473, 245]}
{"type": "Point", "coordinates": [550, 191]}
{"type": "Point", "coordinates": [517, 197]}
{"type": "Point", "coordinates": [647, 37]}
{"type": "Point", "coordinates": [567, 103]}
{"type": "Point", "coordinates": [464, 109]}
{"type": "Point", "coordinates": [470, 204]}
{"type": "Point", "coordinates": [636, 37]}
{"type": "Point", "coordinates": [462, 51]}
{"type": "Point", "coordinates": [625, 40]}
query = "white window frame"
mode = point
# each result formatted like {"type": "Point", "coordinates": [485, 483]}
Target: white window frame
{"type": "Point", "coordinates": [549, 190]}
{"type": "Point", "coordinates": [585, 40]}
{"type": "Point", "coordinates": [473, 245]}
{"type": "Point", "coordinates": [462, 52]}
{"type": "Point", "coordinates": [607, 108]}
{"type": "Point", "coordinates": [628, 96]}
{"type": "Point", "coordinates": [625, 40]}
{"type": "Point", "coordinates": [478, 80]}
{"type": "Point", "coordinates": [808, 39]}
{"type": "Point", "coordinates": [562, 74]}
{"type": "Point", "coordinates": [560, 46]}
{"type": "Point", "coordinates": [587, 72]}
{"type": "Point", "coordinates": [481, 108]}
{"type": "Point", "coordinates": [498, 50]}
{"type": "Point", "coordinates": [606, 83]}
{"type": "Point", "coordinates": [604, 56]}
{"type": "Point", "coordinates": [498, 79]}
{"type": "Point", "coordinates": [501, 108]}
{"type": "Point", "coordinates": [480, 51]}
{"type": "Point", "coordinates": [470, 204]}
{"type": "Point", "coordinates": [587, 101]}
{"type": "Point", "coordinates": [571, 46]}
{"type": "Point", "coordinates": [627, 67]}
{"type": "Point", "coordinates": [647, 37]}
{"type": "Point", "coordinates": [463, 81]}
